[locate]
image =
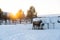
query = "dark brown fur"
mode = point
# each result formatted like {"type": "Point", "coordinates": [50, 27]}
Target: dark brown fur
{"type": "Point", "coordinates": [38, 24]}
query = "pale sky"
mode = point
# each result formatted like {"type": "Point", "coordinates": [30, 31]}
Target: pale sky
{"type": "Point", "coordinates": [43, 7]}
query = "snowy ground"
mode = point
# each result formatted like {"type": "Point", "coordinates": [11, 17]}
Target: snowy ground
{"type": "Point", "coordinates": [25, 32]}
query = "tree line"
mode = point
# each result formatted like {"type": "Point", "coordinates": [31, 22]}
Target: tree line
{"type": "Point", "coordinates": [31, 13]}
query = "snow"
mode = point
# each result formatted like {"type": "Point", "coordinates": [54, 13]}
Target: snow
{"type": "Point", "coordinates": [37, 35]}
{"type": "Point", "coordinates": [25, 32]}
{"type": "Point", "coordinates": [36, 19]}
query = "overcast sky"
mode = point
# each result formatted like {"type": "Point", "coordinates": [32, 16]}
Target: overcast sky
{"type": "Point", "coordinates": [43, 7]}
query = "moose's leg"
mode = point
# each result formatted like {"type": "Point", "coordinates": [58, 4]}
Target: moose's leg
{"type": "Point", "coordinates": [33, 26]}
{"type": "Point", "coordinates": [38, 25]}
{"type": "Point", "coordinates": [42, 25]}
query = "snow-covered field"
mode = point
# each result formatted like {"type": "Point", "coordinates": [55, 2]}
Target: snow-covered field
{"type": "Point", "coordinates": [25, 32]}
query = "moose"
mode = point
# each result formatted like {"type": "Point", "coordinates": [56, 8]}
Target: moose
{"type": "Point", "coordinates": [38, 24]}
